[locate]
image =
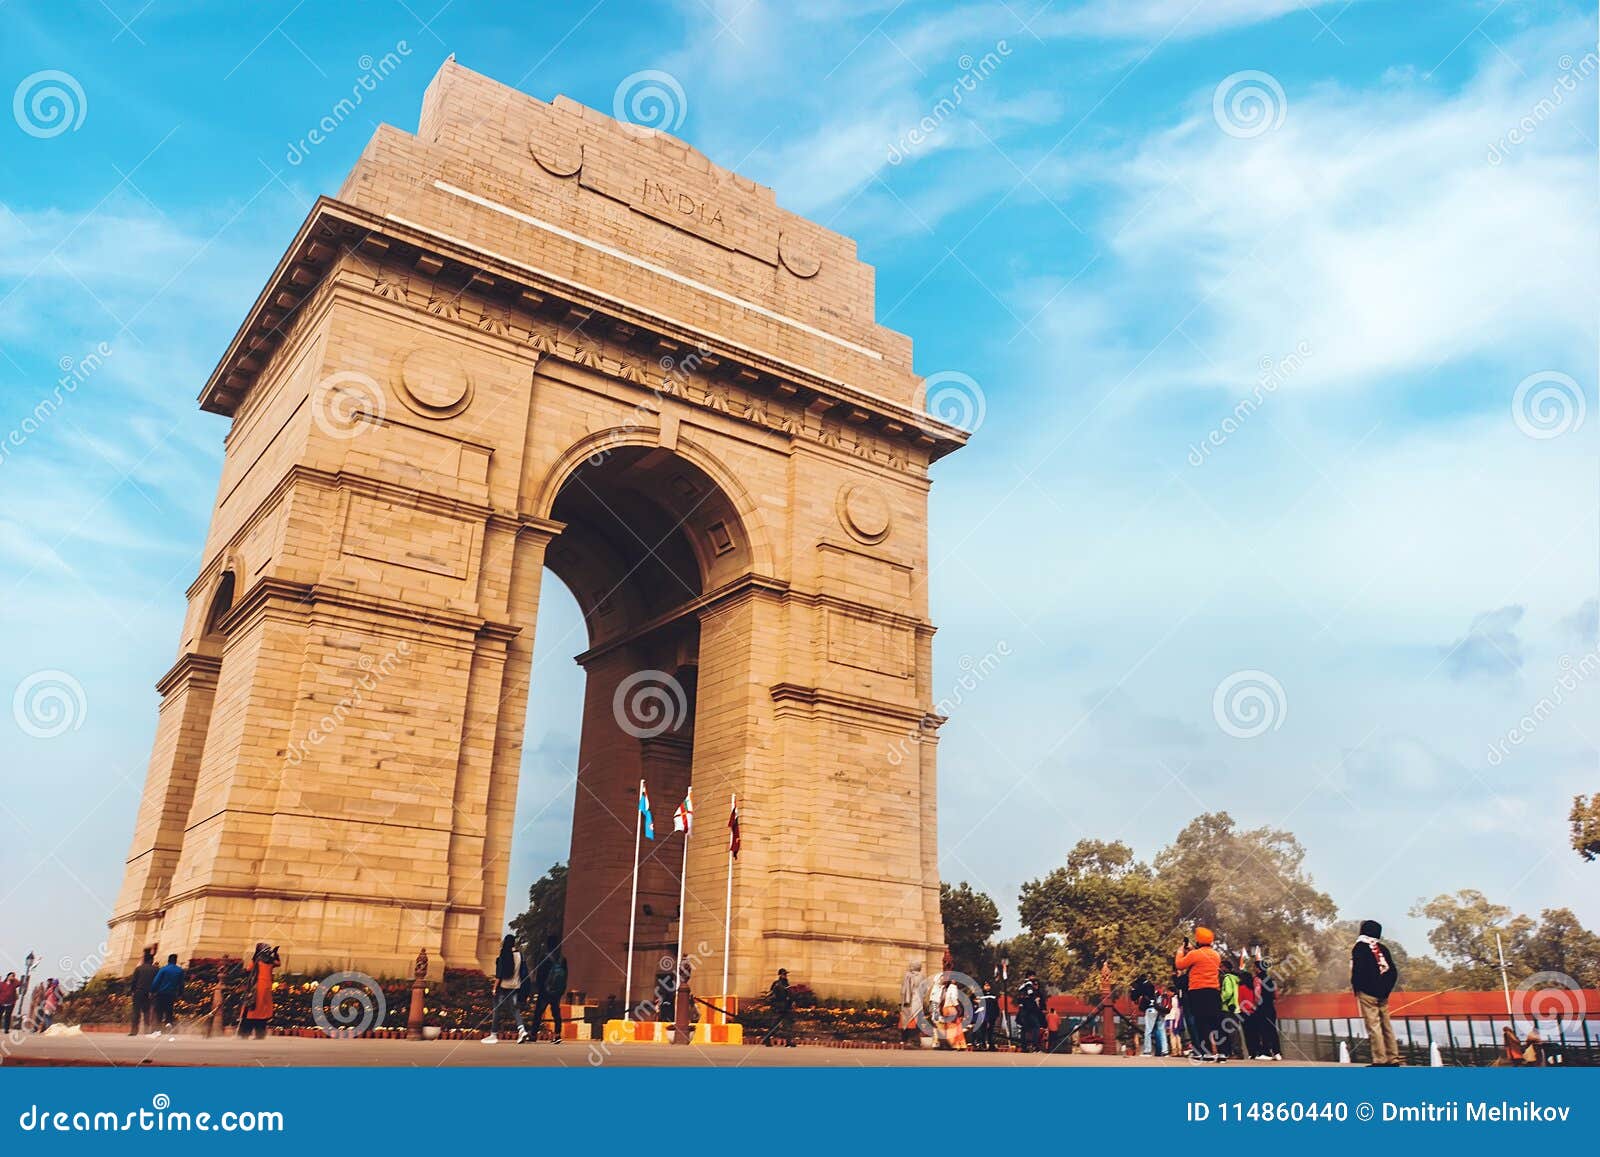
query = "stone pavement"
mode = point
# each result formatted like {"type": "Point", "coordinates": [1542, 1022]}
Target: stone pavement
{"type": "Point", "coordinates": [101, 1049]}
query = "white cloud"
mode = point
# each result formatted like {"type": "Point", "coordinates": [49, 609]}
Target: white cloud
{"type": "Point", "coordinates": [1370, 226]}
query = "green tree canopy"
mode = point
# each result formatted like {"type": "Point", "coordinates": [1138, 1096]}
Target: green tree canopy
{"type": "Point", "coordinates": [1465, 928]}
{"type": "Point", "coordinates": [970, 918]}
{"type": "Point", "coordinates": [547, 907]}
{"type": "Point", "coordinates": [1250, 887]}
{"type": "Point", "coordinates": [1105, 905]}
{"type": "Point", "coordinates": [1585, 819]}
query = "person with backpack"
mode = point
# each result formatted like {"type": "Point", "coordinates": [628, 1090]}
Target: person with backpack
{"type": "Point", "coordinates": [1373, 977]}
{"type": "Point", "coordinates": [1204, 996]}
{"type": "Point", "coordinates": [511, 984]}
{"type": "Point", "coordinates": [550, 982]}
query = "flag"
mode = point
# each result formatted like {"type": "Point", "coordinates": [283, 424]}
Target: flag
{"type": "Point", "coordinates": [683, 818]}
{"type": "Point", "coordinates": [733, 829]}
{"type": "Point", "coordinates": [644, 809]}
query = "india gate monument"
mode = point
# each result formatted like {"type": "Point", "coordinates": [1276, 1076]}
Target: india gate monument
{"type": "Point", "coordinates": [530, 336]}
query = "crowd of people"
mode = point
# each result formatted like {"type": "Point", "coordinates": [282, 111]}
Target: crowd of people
{"type": "Point", "coordinates": [39, 1011]}
{"type": "Point", "coordinates": [1215, 1005]}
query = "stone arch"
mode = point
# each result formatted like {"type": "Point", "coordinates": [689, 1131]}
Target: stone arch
{"type": "Point", "coordinates": [617, 437]}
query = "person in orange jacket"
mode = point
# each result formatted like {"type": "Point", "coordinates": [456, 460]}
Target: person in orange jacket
{"type": "Point", "coordinates": [1204, 998]}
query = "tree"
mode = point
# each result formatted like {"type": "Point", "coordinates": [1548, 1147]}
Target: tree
{"type": "Point", "coordinates": [547, 906]}
{"type": "Point", "coordinates": [1105, 906]}
{"type": "Point", "coordinates": [1250, 887]}
{"type": "Point", "coordinates": [1585, 819]}
{"type": "Point", "coordinates": [1045, 956]}
{"type": "Point", "coordinates": [1562, 945]}
{"type": "Point", "coordinates": [1465, 938]}
{"type": "Point", "coordinates": [970, 918]}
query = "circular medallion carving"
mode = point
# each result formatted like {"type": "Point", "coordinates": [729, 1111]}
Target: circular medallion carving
{"type": "Point", "coordinates": [556, 156]}
{"type": "Point", "coordinates": [432, 382]}
{"type": "Point", "coordinates": [864, 512]}
{"type": "Point", "coordinates": [796, 259]}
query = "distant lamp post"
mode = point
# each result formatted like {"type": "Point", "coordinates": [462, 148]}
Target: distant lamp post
{"type": "Point", "coordinates": [419, 977]}
{"type": "Point", "coordinates": [27, 972]}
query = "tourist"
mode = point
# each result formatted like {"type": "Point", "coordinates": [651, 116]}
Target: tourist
{"type": "Point", "coordinates": [1153, 1005]}
{"type": "Point", "coordinates": [1373, 977]}
{"type": "Point", "coordinates": [164, 992]}
{"type": "Point", "coordinates": [1204, 996]}
{"type": "Point", "coordinates": [257, 1009]}
{"type": "Point", "coordinates": [911, 1005]}
{"type": "Point", "coordinates": [9, 988]}
{"type": "Point", "coordinates": [550, 985]}
{"type": "Point", "coordinates": [952, 1019]}
{"type": "Point", "coordinates": [988, 1015]}
{"type": "Point", "coordinates": [780, 1002]}
{"type": "Point", "coordinates": [1175, 1016]}
{"type": "Point", "coordinates": [1163, 1008]}
{"type": "Point", "coordinates": [1030, 1011]}
{"type": "Point", "coordinates": [1268, 1043]}
{"type": "Point", "coordinates": [1245, 999]}
{"type": "Point", "coordinates": [139, 986]}
{"type": "Point", "coordinates": [510, 979]}
{"type": "Point", "coordinates": [50, 1004]}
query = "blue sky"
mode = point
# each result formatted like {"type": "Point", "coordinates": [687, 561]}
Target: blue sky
{"type": "Point", "coordinates": [1394, 264]}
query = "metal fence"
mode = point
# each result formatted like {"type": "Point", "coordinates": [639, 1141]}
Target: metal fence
{"type": "Point", "coordinates": [1463, 1040]}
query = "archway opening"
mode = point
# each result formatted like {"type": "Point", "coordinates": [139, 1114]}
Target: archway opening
{"type": "Point", "coordinates": [647, 536]}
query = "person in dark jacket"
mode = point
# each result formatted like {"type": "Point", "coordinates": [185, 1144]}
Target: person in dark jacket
{"type": "Point", "coordinates": [1030, 1012]}
{"type": "Point", "coordinates": [1267, 1013]}
{"type": "Point", "coordinates": [781, 1003]}
{"type": "Point", "coordinates": [550, 984]}
{"type": "Point", "coordinates": [983, 1037]}
{"type": "Point", "coordinates": [139, 984]}
{"type": "Point", "coordinates": [164, 992]}
{"type": "Point", "coordinates": [1373, 977]}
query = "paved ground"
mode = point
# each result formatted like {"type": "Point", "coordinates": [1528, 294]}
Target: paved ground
{"type": "Point", "coordinates": [115, 1049]}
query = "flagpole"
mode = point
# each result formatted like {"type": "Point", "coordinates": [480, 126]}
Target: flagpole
{"type": "Point", "coordinates": [727, 923]}
{"type": "Point", "coordinates": [683, 880]}
{"type": "Point", "coordinates": [1504, 983]}
{"type": "Point", "coordinates": [633, 906]}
